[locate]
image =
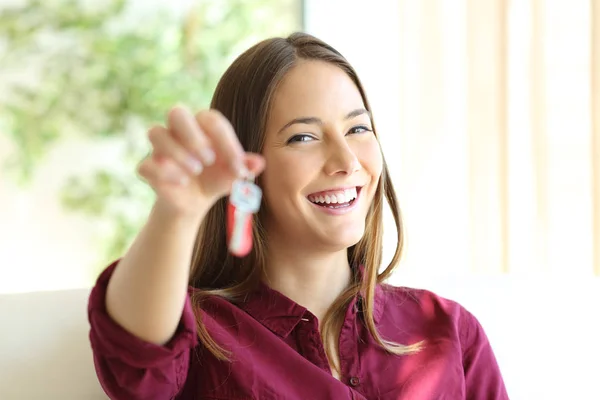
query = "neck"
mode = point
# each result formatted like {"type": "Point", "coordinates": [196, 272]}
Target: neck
{"type": "Point", "coordinates": [312, 280]}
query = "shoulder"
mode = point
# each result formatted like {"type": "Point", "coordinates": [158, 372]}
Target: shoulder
{"type": "Point", "coordinates": [451, 334]}
{"type": "Point", "coordinates": [427, 312]}
{"type": "Point", "coordinates": [408, 299]}
{"type": "Point", "coordinates": [444, 324]}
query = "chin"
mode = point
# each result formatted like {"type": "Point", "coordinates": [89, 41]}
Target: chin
{"type": "Point", "coordinates": [337, 243]}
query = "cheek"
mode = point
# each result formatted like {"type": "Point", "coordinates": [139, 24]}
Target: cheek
{"type": "Point", "coordinates": [278, 173]}
{"type": "Point", "coordinates": [280, 179]}
{"type": "Point", "coordinates": [369, 154]}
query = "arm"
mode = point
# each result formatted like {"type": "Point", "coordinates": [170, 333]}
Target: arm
{"type": "Point", "coordinates": [142, 322]}
{"type": "Point", "coordinates": [130, 368]}
{"type": "Point", "coordinates": [147, 290]}
{"type": "Point", "coordinates": [193, 164]}
{"type": "Point", "coordinates": [143, 326]}
{"type": "Point", "coordinates": [483, 379]}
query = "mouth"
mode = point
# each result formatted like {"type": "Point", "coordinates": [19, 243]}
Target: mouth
{"type": "Point", "coordinates": [336, 199]}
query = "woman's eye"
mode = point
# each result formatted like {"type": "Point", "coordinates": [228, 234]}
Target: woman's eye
{"type": "Point", "coordinates": [360, 129]}
{"type": "Point", "coordinates": [300, 138]}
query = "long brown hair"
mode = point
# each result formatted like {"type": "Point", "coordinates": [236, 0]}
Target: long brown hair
{"type": "Point", "coordinates": [244, 95]}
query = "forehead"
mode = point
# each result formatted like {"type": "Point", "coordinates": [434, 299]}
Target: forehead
{"type": "Point", "coordinates": [315, 88]}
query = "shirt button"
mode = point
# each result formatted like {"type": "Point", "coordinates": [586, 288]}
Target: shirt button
{"type": "Point", "coordinates": [354, 381]}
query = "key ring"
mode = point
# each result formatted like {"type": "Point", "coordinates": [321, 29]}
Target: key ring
{"type": "Point", "coordinates": [247, 175]}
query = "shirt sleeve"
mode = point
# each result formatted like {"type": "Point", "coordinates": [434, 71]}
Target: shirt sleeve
{"type": "Point", "coordinates": [483, 379]}
{"type": "Point", "coordinates": [130, 368]}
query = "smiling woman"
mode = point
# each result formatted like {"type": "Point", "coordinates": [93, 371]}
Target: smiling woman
{"type": "Point", "coordinates": [180, 317]}
{"type": "Point", "coordinates": [339, 151]}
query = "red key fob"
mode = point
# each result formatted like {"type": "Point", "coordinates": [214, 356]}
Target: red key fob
{"type": "Point", "coordinates": [244, 201]}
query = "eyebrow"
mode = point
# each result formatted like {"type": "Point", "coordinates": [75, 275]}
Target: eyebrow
{"type": "Point", "coordinates": [318, 121]}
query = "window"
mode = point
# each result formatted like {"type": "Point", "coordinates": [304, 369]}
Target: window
{"type": "Point", "coordinates": [79, 88]}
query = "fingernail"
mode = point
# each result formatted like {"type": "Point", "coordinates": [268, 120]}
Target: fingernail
{"type": "Point", "coordinates": [241, 169]}
{"type": "Point", "coordinates": [208, 156]}
{"type": "Point", "coordinates": [194, 166]}
{"type": "Point", "coordinates": [178, 179]}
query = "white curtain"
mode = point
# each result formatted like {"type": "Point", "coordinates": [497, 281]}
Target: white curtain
{"type": "Point", "coordinates": [489, 113]}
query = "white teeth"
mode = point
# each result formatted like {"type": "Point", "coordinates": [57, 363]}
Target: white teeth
{"type": "Point", "coordinates": [337, 198]}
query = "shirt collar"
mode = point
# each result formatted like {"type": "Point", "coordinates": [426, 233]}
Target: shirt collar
{"type": "Point", "coordinates": [274, 310]}
{"type": "Point", "coordinates": [378, 306]}
{"type": "Point", "coordinates": [280, 314]}
{"type": "Point", "coordinates": [379, 301]}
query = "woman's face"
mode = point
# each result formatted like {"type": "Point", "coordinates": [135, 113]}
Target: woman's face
{"type": "Point", "coordinates": [323, 161]}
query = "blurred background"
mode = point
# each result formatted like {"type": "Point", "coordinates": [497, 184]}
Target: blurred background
{"type": "Point", "coordinates": [489, 118]}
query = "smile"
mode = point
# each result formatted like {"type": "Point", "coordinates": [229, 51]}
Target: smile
{"type": "Point", "coordinates": [336, 201]}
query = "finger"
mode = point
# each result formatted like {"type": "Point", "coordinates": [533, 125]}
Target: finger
{"type": "Point", "coordinates": [255, 163]}
{"type": "Point", "coordinates": [165, 146]}
{"type": "Point", "coordinates": [156, 171]}
{"type": "Point", "coordinates": [222, 136]}
{"type": "Point", "coordinates": [188, 133]}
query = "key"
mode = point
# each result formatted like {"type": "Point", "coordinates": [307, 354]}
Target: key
{"type": "Point", "coordinates": [244, 202]}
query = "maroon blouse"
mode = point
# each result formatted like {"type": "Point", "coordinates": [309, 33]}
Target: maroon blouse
{"type": "Point", "coordinates": [278, 352]}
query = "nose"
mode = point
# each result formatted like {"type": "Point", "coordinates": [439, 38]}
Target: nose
{"type": "Point", "coordinates": [341, 159]}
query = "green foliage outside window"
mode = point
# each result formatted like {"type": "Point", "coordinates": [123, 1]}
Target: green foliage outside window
{"type": "Point", "coordinates": [104, 71]}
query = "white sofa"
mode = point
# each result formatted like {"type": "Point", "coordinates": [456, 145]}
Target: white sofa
{"type": "Point", "coordinates": [44, 347]}
{"type": "Point", "coordinates": [546, 335]}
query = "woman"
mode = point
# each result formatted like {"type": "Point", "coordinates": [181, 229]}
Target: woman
{"type": "Point", "coordinates": [306, 314]}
